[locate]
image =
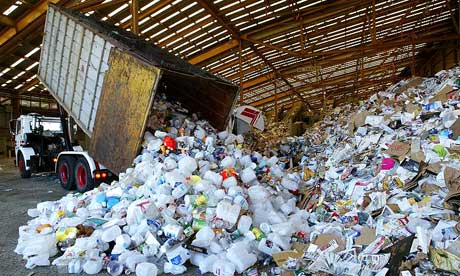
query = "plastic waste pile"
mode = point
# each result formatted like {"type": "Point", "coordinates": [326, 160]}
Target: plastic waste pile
{"type": "Point", "coordinates": [375, 192]}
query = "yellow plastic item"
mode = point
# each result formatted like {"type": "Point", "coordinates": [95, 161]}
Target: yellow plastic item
{"type": "Point", "coordinates": [60, 214]}
{"type": "Point", "coordinates": [195, 178]}
{"type": "Point", "coordinates": [200, 200]}
{"type": "Point", "coordinates": [258, 233]}
{"type": "Point", "coordinates": [63, 234]}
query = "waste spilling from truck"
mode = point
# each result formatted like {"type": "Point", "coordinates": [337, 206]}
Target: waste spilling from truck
{"type": "Point", "coordinates": [375, 193]}
{"type": "Point", "coordinates": [372, 189]}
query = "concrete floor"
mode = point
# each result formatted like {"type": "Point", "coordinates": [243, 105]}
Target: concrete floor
{"type": "Point", "coordinates": [16, 196]}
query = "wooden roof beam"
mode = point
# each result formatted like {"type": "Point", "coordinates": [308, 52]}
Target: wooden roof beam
{"type": "Point", "coordinates": [334, 80]}
{"type": "Point", "coordinates": [264, 31]}
{"type": "Point", "coordinates": [148, 12]}
{"type": "Point", "coordinates": [37, 11]}
{"type": "Point", "coordinates": [222, 19]}
{"type": "Point", "coordinates": [6, 20]}
{"type": "Point", "coordinates": [380, 46]}
{"type": "Point", "coordinates": [357, 20]}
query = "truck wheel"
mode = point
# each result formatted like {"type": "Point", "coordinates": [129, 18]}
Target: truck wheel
{"type": "Point", "coordinates": [65, 168]}
{"type": "Point", "coordinates": [22, 167]}
{"type": "Point", "coordinates": [83, 177]}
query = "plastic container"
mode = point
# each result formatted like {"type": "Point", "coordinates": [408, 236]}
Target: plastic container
{"type": "Point", "coordinates": [93, 266]}
{"type": "Point", "coordinates": [177, 255]}
{"type": "Point", "coordinates": [174, 269]}
{"type": "Point", "coordinates": [244, 224]}
{"type": "Point", "coordinates": [111, 233]}
{"type": "Point", "coordinates": [228, 212]}
{"type": "Point", "coordinates": [248, 175]}
{"type": "Point", "coordinates": [114, 268]}
{"type": "Point", "coordinates": [146, 269]}
{"type": "Point", "coordinates": [203, 237]}
{"type": "Point", "coordinates": [223, 268]}
{"type": "Point", "coordinates": [239, 256]}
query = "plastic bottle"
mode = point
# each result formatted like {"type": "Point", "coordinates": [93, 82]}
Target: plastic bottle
{"type": "Point", "coordinates": [239, 256]}
{"type": "Point", "coordinates": [146, 269]}
{"type": "Point", "coordinates": [177, 255]}
{"type": "Point", "coordinates": [187, 165]}
{"type": "Point", "coordinates": [228, 212]}
{"type": "Point", "coordinates": [241, 201]}
{"type": "Point", "coordinates": [244, 224]}
{"type": "Point", "coordinates": [39, 260]}
{"type": "Point", "coordinates": [93, 266]}
{"type": "Point", "coordinates": [133, 260]}
{"type": "Point", "coordinates": [247, 175]}
{"type": "Point", "coordinates": [111, 233]}
{"type": "Point", "coordinates": [123, 240]}
{"type": "Point", "coordinates": [173, 231]}
{"type": "Point", "coordinates": [289, 184]}
{"type": "Point", "coordinates": [265, 227]}
{"type": "Point", "coordinates": [114, 268]}
{"type": "Point", "coordinates": [214, 177]}
{"type": "Point", "coordinates": [223, 268]}
{"type": "Point", "coordinates": [206, 264]}
{"type": "Point", "coordinates": [227, 162]}
{"type": "Point", "coordinates": [203, 237]}
{"type": "Point", "coordinates": [75, 266]}
{"type": "Point", "coordinates": [179, 191]}
{"type": "Point", "coordinates": [267, 247]}
{"type": "Point", "coordinates": [174, 269]}
{"type": "Point", "coordinates": [230, 182]}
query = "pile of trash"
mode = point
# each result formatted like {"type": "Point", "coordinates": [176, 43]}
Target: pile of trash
{"type": "Point", "coordinates": [376, 191]}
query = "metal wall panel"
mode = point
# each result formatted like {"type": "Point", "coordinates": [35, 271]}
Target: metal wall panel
{"type": "Point", "coordinates": [72, 66]}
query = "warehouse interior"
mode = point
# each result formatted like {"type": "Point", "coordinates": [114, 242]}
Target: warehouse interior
{"type": "Point", "coordinates": [278, 52]}
{"type": "Point", "coordinates": [295, 61]}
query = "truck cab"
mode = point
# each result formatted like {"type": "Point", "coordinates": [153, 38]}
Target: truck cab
{"type": "Point", "coordinates": [38, 141]}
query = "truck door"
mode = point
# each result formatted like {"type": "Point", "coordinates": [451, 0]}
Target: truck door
{"type": "Point", "coordinates": [124, 107]}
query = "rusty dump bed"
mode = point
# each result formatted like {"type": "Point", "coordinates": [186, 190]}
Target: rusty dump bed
{"type": "Point", "coordinates": [106, 78]}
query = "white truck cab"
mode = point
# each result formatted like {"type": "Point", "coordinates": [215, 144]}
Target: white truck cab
{"type": "Point", "coordinates": [40, 146]}
{"type": "Point", "coordinates": [38, 141]}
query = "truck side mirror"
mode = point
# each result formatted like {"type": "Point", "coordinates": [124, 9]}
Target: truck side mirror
{"type": "Point", "coordinates": [12, 126]}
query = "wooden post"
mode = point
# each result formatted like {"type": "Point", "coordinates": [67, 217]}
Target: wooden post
{"type": "Point", "coordinates": [374, 32]}
{"type": "Point", "coordinates": [276, 103]}
{"type": "Point", "coordinates": [135, 16]}
{"type": "Point", "coordinates": [241, 71]}
{"type": "Point", "coordinates": [412, 65]}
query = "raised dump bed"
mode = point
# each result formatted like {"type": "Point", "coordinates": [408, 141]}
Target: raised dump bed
{"type": "Point", "coordinates": [106, 78]}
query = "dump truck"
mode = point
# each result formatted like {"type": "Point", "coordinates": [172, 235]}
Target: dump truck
{"type": "Point", "coordinates": [105, 79]}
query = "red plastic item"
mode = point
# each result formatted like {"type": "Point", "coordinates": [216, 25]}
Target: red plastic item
{"type": "Point", "coordinates": [226, 173]}
{"type": "Point", "coordinates": [169, 142]}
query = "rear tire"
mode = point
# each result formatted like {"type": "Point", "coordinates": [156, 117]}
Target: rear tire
{"type": "Point", "coordinates": [83, 179]}
{"type": "Point", "coordinates": [22, 167]}
{"type": "Point", "coordinates": [65, 172]}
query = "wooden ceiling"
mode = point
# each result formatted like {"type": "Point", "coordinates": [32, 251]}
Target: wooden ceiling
{"type": "Point", "coordinates": [279, 52]}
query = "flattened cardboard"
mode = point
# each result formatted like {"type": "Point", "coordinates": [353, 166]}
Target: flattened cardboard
{"type": "Point", "coordinates": [443, 94]}
{"type": "Point", "coordinates": [452, 179]}
{"type": "Point", "coordinates": [412, 108]}
{"type": "Point", "coordinates": [398, 150]}
{"type": "Point", "coordinates": [281, 257]}
{"type": "Point", "coordinates": [456, 129]}
{"type": "Point", "coordinates": [323, 240]}
{"type": "Point", "coordinates": [414, 82]}
{"type": "Point", "coordinates": [368, 235]}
